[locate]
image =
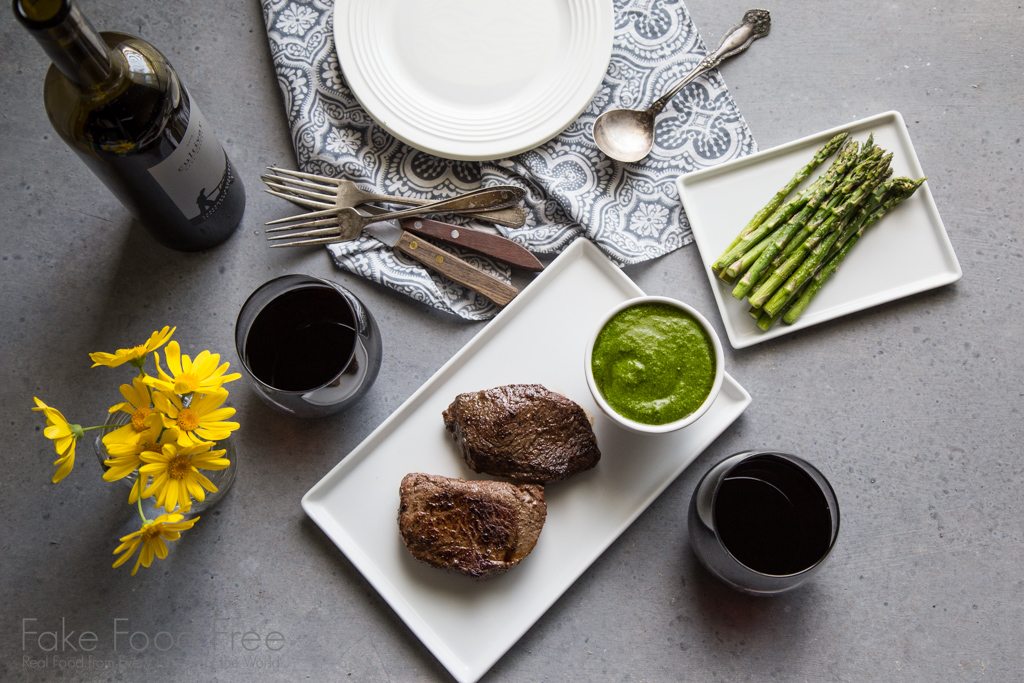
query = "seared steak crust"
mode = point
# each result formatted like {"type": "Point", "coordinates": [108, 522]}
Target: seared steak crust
{"type": "Point", "coordinates": [522, 431]}
{"type": "Point", "coordinates": [477, 528]}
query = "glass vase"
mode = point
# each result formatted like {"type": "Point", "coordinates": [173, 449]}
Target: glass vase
{"type": "Point", "coordinates": [222, 479]}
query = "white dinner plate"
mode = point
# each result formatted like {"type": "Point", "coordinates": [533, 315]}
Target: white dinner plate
{"type": "Point", "coordinates": [474, 79]}
{"type": "Point", "coordinates": [539, 338]}
{"type": "Point", "coordinates": [906, 252]}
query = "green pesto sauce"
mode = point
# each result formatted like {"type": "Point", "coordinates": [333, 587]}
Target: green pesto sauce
{"type": "Point", "coordinates": [653, 363]}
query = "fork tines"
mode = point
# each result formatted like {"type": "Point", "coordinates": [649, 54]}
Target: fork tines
{"type": "Point", "coordinates": [305, 224]}
{"type": "Point", "coordinates": [327, 180]}
{"type": "Point", "coordinates": [298, 190]}
{"type": "Point", "coordinates": [309, 242]}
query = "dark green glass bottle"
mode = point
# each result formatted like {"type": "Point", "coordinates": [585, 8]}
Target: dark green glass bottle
{"type": "Point", "coordinates": [116, 101]}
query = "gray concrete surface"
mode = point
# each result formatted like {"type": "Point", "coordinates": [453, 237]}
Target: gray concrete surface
{"type": "Point", "coordinates": [913, 409]}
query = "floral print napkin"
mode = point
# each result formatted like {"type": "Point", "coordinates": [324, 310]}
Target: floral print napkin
{"type": "Point", "coordinates": [630, 211]}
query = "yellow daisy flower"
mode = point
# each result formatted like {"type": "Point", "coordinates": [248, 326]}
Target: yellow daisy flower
{"type": "Point", "coordinates": [202, 375]}
{"type": "Point", "coordinates": [152, 537]}
{"type": "Point", "coordinates": [135, 355]}
{"type": "Point", "coordinates": [202, 420]}
{"type": "Point", "coordinates": [125, 457]}
{"type": "Point", "coordinates": [139, 405]}
{"type": "Point", "coordinates": [64, 435]}
{"type": "Point", "coordinates": [176, 475]}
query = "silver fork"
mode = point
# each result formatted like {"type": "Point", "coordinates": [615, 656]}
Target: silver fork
{"type": "Point", "coordinates": [346, 223]}
{"type": "Point", "coordinates": [321, 192]}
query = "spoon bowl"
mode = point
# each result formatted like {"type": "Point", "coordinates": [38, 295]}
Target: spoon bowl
{"type": "Point", "coordinates": [625, 134]}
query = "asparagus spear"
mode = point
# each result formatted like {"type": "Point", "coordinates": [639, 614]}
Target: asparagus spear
{"type": "Point", "coordinates": [823, 153]}
{"type": "Point", "coordinates": [837, 240]}
{"type": "Point", "coordinates": [734, 257]}
{"type": "Point", "coordinates": [825, 192]}
{"type": "Point", "coordinates": [883, 192]}
{"type": "Point", "coordinates": [766, 320]}
{"type": "Point", "coordinates": [841, 203]}
{"type": "Point", "coordinates": [746, 254]}
{"type": "Point", "coordinates": [779, 217]}
{"type": "Point", "coordinates": [823, 187]}
{"type": "Point", "coordinates": [744, 262]}
{"type": "Point", "coordinates": [825, 238]}
{"type": "Point", "coordinates": [869, 154]}
{"type": "Point", "coordinates": [814, 195]}
{"type": "Point", "coordinates": [900, 189]}
{"type": "Point", "coordinates": [806, 223]}
{"type": "Point", "coordinates": [860, 158]}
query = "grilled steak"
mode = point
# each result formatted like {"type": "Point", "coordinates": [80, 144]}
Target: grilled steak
{"type": "Point", "coordinates": [477, 528]}
{"type": "Point", "coordinates": [522, 431]}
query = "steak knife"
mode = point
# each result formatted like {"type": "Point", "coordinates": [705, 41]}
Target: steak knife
{"type": "Point", "coordinates": [443, 262]}
{"type": "Point", "coordinates": [495, 246]}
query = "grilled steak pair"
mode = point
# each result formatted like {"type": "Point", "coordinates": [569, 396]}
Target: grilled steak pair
{"type": "Point", "coordinates": [483, 528]}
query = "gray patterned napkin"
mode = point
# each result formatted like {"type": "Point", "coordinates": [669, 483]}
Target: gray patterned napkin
{"type": "Point", "coordinates": [630, 211]}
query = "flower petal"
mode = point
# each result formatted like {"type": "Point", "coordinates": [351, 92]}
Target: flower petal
{"type": "Point", "coordinates": [170, 496]}
{"type": "Point", "coordinates": [147, 554]}
{"type": "Point", "coordinates": [172, 354]}
{"type": "Point", "coordinates": [118, 472]}
{"type": "Point", "coordinates": [124, 558]}
{"type": "Point", "coordinates": [206, 403]}
{"type": "Point", "coordinates": [195, 489]}
{"type": "Point", "coordinates": [157, 485]}
{"type": "Point", "coordinates": [207, 484]}
{"type": "Point", "coordinates": [56, 431]}
{"type": "Point", "coordinates": [124, 434]}
{"type": "Point", "coordinates": [219, 415]}
{"type": "Point", "coordinates": [63, 471]}
{"type": "Point", "coordinates": [110, 360]}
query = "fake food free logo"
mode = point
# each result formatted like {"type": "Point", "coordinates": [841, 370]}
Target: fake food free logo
{"type": "Point", "coordinates": [121, 637]}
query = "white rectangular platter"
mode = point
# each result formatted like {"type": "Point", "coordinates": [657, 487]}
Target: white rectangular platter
{"type": "Point", "coordinates": [906, 252]}
{"type": "Point", "coordinates": [538, 338]}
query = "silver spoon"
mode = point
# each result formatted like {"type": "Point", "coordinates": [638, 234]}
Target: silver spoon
{"type": "Point", "coordinates": [628, 134]}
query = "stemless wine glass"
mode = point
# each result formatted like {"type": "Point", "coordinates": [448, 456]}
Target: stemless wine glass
{"type": "Point", "coordinates": [309, 347]}
{"type": "Point", "coordinates": [763, 522]}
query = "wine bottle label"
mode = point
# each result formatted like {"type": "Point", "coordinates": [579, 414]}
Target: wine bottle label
{"type": "Point", "coordinates": [195, 176]}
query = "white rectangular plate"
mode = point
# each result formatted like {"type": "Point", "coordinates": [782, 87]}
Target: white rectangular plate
{"type": "Point", "coordinates": [538, 338]}
{"type": "Point", "coordinates": [906, 252]}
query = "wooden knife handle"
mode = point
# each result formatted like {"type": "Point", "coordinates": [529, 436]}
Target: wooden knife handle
{"type": "Point", "coordinates": [495, 246]}
{"type": "Point", "coordinates": [456, 269]}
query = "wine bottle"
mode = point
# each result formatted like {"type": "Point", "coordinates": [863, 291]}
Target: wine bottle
{"type": "Point", "coordinates": [118, 104]}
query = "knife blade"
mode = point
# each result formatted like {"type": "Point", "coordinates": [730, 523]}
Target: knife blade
{"type": "Point", "coordinates": [495, 246]}
{"type": "Point", "coordinates": [442, 262]}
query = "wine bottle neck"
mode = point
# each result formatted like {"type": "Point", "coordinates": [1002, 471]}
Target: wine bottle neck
{"type": "Point", "coordinates": [71, 42]}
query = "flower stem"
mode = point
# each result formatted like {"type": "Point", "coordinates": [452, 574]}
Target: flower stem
{"type": "Point", "coordinates": [104, 426]}
{"type": "Point", "coordinates": [139, 501]}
